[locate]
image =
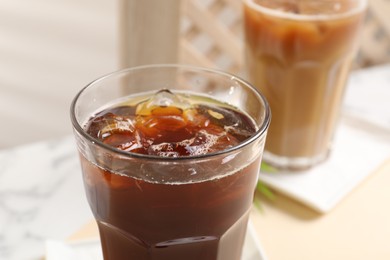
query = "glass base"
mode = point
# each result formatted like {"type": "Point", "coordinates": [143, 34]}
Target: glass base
{"type": "Point", "coordinates": [293, 163]}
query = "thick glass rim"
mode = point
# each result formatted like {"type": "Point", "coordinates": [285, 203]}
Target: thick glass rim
{"type": "Point", "coordinates": [362, 5]}
{"type": "Point", "coordinates": [260, 132]}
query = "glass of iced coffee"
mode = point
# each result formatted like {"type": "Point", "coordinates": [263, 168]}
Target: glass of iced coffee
{"type": "Point", "coordinates": [170, 157]}
{"type": "Point", "coordinates": [299, 54]}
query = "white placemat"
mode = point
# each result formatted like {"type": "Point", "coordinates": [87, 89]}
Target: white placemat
{"type": "Point", "coordinates": [356, 155]}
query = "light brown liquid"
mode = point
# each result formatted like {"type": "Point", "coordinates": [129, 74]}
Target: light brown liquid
{"type": "Point", "coordinates": [301, 65]}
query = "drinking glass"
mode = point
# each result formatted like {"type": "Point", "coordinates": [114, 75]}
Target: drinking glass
{"type": "Point", "coordinates": [152, 207]}
{"type": "Point", "coordinates": [299, 54]}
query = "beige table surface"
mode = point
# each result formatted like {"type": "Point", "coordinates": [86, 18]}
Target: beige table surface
{"type": "Point", "coordinates": [358, 228]}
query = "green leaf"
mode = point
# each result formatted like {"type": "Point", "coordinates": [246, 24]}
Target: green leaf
{"type": "Point", "coordinates": [257, 204]}
{"type": "Point", "coordinates": [267, 168]}
{"type": "Point", "coordinates": [263, 189]}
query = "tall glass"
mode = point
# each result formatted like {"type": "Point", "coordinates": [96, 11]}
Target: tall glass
{"type": "Point", "coordinates": [151, 207]}
{"type": "Point", "coordinates": [299, 54]}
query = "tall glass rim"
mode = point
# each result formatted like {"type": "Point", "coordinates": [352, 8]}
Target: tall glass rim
{"type": "Point", "coordinates": [94, 141]}
{"type": "Point", "coordinates": [307, 17]}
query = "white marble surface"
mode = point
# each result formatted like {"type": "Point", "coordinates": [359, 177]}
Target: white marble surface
{"type": "Point", "coordinates": [41, 190]}
{"type": "Point", "coordinates": [41, 197]}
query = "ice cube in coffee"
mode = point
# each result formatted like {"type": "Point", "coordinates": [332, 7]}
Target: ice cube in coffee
{"type": "Point", "coordinates": [149, 206]}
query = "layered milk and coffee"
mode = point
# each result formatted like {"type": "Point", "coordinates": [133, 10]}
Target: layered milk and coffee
{"type": "Point", "coordinates": [299, 54]}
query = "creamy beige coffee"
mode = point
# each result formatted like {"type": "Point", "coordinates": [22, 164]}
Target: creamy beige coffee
{"type": "Point", "coordinates": [299, 54]}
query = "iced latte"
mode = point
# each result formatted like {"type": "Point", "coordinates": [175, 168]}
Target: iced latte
{"type": "Point", "coordinates": [299, 54]}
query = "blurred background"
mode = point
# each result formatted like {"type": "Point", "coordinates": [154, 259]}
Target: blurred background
{"type": "Point", "coordinates": [50, 49]}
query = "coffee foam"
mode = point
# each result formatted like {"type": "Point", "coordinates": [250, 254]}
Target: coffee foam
{"type": "Point", "coordinates": [362, 5]}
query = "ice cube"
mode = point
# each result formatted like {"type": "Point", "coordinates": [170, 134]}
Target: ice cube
{"type": "Point", "coordinates": [231, 121]}
{"type": "Point", "coordinates": [163, 98]}
{"type": "Point", "coordinates": [164, 111]}
{"type": "Point", "coordinates": [129, 143]}
{"type": "Point", "coordinates": [324, 7]}
{"type": "Point", "coordinates": [202, 143]}
{"type": "Point", "coordinates": [105, 125]}
{"type": "Point", "coordinates": [164, 150]}
{"type": "Point", "coordinates": [208, 141]}
{"type": "Point", "coordinates": [164, 118]}
{"type": "Point", "coordinates": [290, 7]}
